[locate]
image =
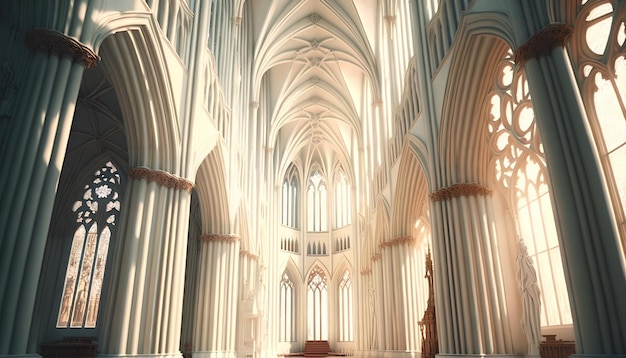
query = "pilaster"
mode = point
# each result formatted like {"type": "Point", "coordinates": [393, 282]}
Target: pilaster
{"type": "Point", "coordinates": [595, 272]}
{"type": "Point", "coordinates": [145, 311]}
{"type": "Point", "coordinates": [29, 172]}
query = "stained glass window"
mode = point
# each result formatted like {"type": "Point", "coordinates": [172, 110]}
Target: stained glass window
{"type": "Point", "coordinates": [96, 215]}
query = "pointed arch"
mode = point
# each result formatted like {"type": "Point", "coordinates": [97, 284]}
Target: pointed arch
{"type": "Point", "coordinates": [411, 197]}
{"type": "Point", "coordinates": [135, 63]}
{"type": "Point", "coordinates": [317, 282]}
{"type": "Point", "coordinates": [463, 151]}
{"type": "Point", "coordinates": [211, 188]}
{"type": "Point", "coordinates": [290, 288]}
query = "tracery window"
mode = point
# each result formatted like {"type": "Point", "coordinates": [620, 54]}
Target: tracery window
{"type": "Point", "coordinates": [600, 59]}
{"type": "Point", "coordinates": [520, 170]}
{"type": "Point", "coordinates": [343, 212]}
{"type": "Point", "coordinates": [317, 306]}
{"type": "Point", "coordinates": [346, 329]}
{"type": "Point", "coordinates": [290, 202]}
{"type": "Point", "coordinates": [317, 203]}
{"type": "Point", "coordinates": [287, 309]}
{"type": "Point", "coordinates": [96, 215]}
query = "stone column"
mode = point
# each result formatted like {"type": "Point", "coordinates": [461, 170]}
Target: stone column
{"type": "Point", "coordinates": [593, 261]}
{"type": "Point", "coordinates": [29, 173]}
{"type": "Point", "coordinates": [145, 312]}
{"type": "Point", "coordinates": [401, 294]}
{"type": "Point", "coordinates": [217, 302]}
{"type": "Point", "coordinates": [470, 300]}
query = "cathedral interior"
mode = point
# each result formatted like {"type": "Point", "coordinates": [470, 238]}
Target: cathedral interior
{"type": "Point", "coordinates": [284, 178]}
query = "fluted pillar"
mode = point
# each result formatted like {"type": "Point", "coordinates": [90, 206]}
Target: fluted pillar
{"type": "Point", "coordinates": [145, 314]}
{"type": "Point", "coordinates": [401, 294]}
{"type": "Point", "coordinates": [595, 272]}
{"type": "Point", "coordinates": [216, 307]}
{"type": "Point", "coordinates": [30, 167]}
{"type": "Point", "coordinates": [470, 300]}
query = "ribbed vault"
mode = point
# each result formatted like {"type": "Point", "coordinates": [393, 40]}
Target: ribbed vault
{"type": "Point", "coordinates": [314, 64]}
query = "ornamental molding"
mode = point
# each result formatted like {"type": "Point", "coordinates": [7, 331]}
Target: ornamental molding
{"type": "Point", "coordinates": [458, 190]}
{"type": "Point", "coordinates": [248, 254]}
{"type": "Point", "coordinates": [365, 272]}
{"type": "Point", "coordinates": [542, 42]}
{"type": "Point", "coordinates": [230, 238]}
{"type": "Point", "coordinates": [161, 178]}
{"type": "Point", "coordinates": [315, 18]}
{"type": "Point", "coordinates": [47, 41]}
{"type": "Point", "coordinates": [397, 241]}
{"type": "Point", "coordinates": [376, 257]}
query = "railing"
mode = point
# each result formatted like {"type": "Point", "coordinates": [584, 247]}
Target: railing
{"type": "Point", "coordinates": [551, 348]}
{"type": "Point", "coordinates": [341, 239]}
{"type": "Point", "coordinates": [290, 240]}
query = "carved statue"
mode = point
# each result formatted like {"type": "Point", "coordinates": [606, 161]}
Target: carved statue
{"type": "Point", "coordinates": [531, 299]}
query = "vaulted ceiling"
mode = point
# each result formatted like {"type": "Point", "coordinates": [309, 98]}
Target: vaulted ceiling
{"type": "Point", "coordinates": [316, 59]}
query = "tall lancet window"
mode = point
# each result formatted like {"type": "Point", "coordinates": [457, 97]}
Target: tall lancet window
{"type": "Point", "coordinates": [520, 169]}
{"type": "Point", "coordinates": [290, 207]}
{"type": "Point", "coordinates": [317, 203]}
{"type": "Point", "coordinates": [287, 309]}
{"type": "Point", "coordinates": [317, 306]}
{"type": "Point", "coordinates": [346, 329]}
{"type": "Point", "coordinates": [600, 62]}
{"type": "Point", "coordinates": [96, 215]}
{"type": "Point", "coordinates": [343, 211]}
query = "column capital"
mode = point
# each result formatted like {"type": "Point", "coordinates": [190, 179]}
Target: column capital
{"type": "Point", "coordinates": [49, 41]}
{"type": "Point", "coordinates": [219, 238]}
{"type": "Point", "coordinates": [457, 190]}
{"type": "Point", "coordinates": [160, 177]}
{"type": "Point", "coordinates": [248, 254]}
{"type": "Point", "coordinates": [542, 42]}
{"type": "Point", "coordinates": [397, 241]}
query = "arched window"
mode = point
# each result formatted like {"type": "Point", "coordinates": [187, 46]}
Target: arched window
{"type": "Point", "coordinates": [317, 203]}
{"type": "Point", "coordinates": [600, 62]}
{"type": "Point", "coordinates": [317, 306]}
{"type": "Point", "coordinates": [342, 212]}
{"type": "Point", "coordinates": [346, 329]}
{"type": "Point", "coordinates": [96, 215]}
{"type": "Point", "coordinates": [287, 309]}
{"type": "Point", "coordinates": [520, 170]}
{"type": "Point", "coordinates": [290, 201]}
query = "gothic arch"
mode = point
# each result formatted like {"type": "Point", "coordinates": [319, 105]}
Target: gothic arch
{"type": "Point", "coordinates": [464, 152]}
{"type": "Point", "coordinates": [411, 196]}
{"type": "Point", "coordinates": [211, 188]}
{"type": "Point", "coordinates": [134, 62]}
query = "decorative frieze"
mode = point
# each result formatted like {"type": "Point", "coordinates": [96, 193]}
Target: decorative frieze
{"type": "Point", "coordinates": [543, 42]}
{"type": "Point", "coordinates": [219, 238]}
{"type": "Point", "coordinates": [160, 177]}
{"type": "Point", "coordinates": [49, 41]}
{"type": "Point", "coordinates": [458, 190]}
